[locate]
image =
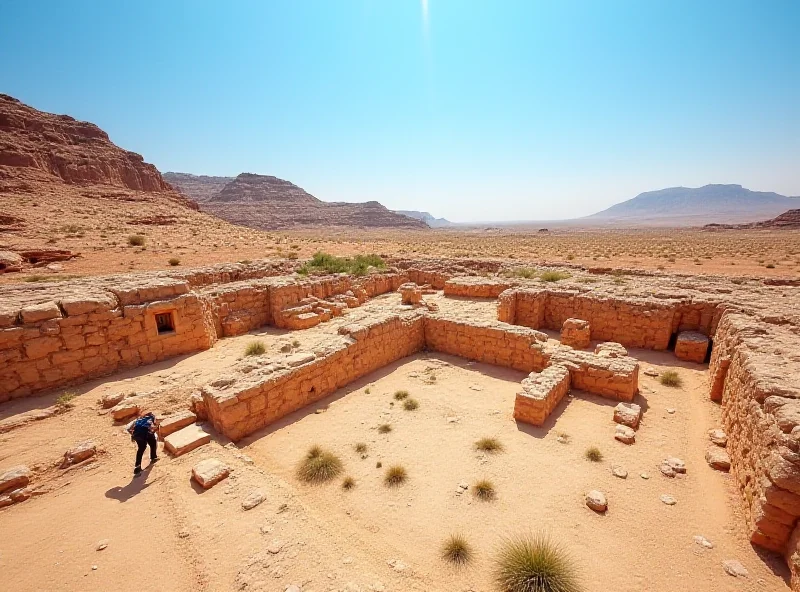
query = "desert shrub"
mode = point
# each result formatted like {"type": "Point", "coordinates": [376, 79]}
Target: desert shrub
{"type": "Point", "coordinates": [64, 402]}
{"type": "Point", "coordinates": [319, 466]}
{"type": "Point", "coordinates": [291, 255]}
{"type": "Point", "coordinates": [535, 564]}
{"type": "Point", "coordinates": [770, 266]}
{"type": "Point", "coordinates": [457, 550]}
{"type": "Point", "coordinates": [670, 378]}
{"type": "Point", "coordinates": [361, 447]}
{"type": "Point", "coordinates": [395, 475]}
{"type": "Point", "coordinates": [174, 261]}
{"type": "Point", "coordinates": [593, 454]}
{"type": "Point", "coordinates": [136, 240]}
{"type": "Point", "coordinates": [521, 272]}
{"type": "Point", "coordinates": [489, 445]}
{"type": "Point", "coordinates": [348, 483]}
{"type": "Point", "coordinates": [400, 395]}
{"type": "Point", "coordinates": [367, 391]}
{"type": "Point", "coordinates": [303, 270]}
{"type": "Point", "coordinates": [554, 276]}
{"type": "Point", "coordinates": [410, 404]}
{"type": "Point", "coordinates": [286, 348]}
{"type": "Point", "coordinates": [378, 465]}
{"type": "Point", "coordinates": [295, 343]}
{"type": "Point", "coordinates": [358, 265]}
{"type": "Point", "coordinates": [484, 490]}
{"type": "Point", "coordinates": [255, 348]}
{"type": "Point", "coordinates": [384, 428]}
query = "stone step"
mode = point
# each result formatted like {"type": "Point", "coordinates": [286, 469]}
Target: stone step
{"type": "Point", "coordinates": [186, 439]}
{"type": "Point", "coordinates": [173, 423]}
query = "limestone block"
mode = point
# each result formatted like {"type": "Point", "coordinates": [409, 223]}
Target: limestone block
{"type": "Point", "coordinates": [625, 434]}
{"type": "Point", "coordinates": [125, 409]}
{"type": "Point", "coordinates": [173, 423]}
{"type": "Point", "coordinates": [628, 414]}
{"type": "Point", "coordinates": [14, 478]}
{"type": "Point", "coordinates": [611, 349]}
{"type": "Point", "coordinates": [79, 453]}
{"type": "Point", "coordinates": [717, 458]}
{"type": "Point", "coordinates": [691, 346]}
{"type": "Point", "coordinates": [186, 439]}
{"type": "Point", "coordinates": [209, 472]}
{"type": "Point", "coordinates": [110, 400]}
{"type": "Point", "coordinates": [540, 394]}
{"type": "Point", "coordinates": [36, 313]}
{"type": "Point", "coordinates": [410, 293]}
{"type": "Point", "coordinates": [576, 333]}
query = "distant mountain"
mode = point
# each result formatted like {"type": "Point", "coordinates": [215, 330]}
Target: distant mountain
{"type": "Point", "coordinates": [270, 203]}
{"type": "Point", "coordinates": [426, 217]}
{"type": "Point", "coordinates": [199, 187]}
{"type": "Point", "coordinates": [787, 221]}
{"type": "Point", "coordinates": [685, 206]}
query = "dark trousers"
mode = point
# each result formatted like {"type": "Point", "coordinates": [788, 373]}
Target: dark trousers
{"type": "Point", "coordinates": [142, 443]}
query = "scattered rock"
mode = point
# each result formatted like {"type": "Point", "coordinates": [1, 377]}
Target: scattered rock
{"type": "Point", "coordinates": [668, 499]}
{"type": "Point", "coordinates": [645, 476]}
{"type": "Point", "coordinates": [186, 439]}
{"type": "Point", "coordinates": [625, 434]}
{"type": "Point", "coordinates": [734, 568]}
{"type": "Point", "coordinates": [79, 453]}
{"type": "Point", "coordinates": [275, 547]}
{"type": "Point", "coordinates": [109, 400]}
{"type": "Point", "coordinates": [628, 414]}
{"type": "Point", "coordinates": [293, 588]}
{"type": "Point", "coordinates": [125, 409]}
{"type": "Point", "coordinates": [209, 472]}
{"type": "Point", "coordinates": [252, 500]}
{"type": "Point", "coordinates": [718, 458]}
{"type": "Point", "coordinates": [173, 423]}
{"type": "Point", "coordinates": [102, 545]}
{"type": "Point", "coordinates": [666, 470]}
{"type": "Point", "coordinates": [562, 440]}
{"type": "Point", "coordinates": [596, 500]}
{"type": "Point", "coordinates": [397, 565]}
{"type": "Point", "coordinates": [703, 541]}
{"type": "Point", "coordinates": [14, 478]}
{"type": "Point", "coordinates": [650, 372]}
{"type": "Point", "coordinates": [670, 410]}
{"type": "Point", "coordinates": [619, 471]}
{"type": "Point", "coordinates": [670, 466]}
{"type": "Point", "coordinates": [475, 387]}
{"type": "Point", "coordinates": [718, 437]}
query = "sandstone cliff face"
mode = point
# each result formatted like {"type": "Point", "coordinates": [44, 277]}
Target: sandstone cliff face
{"type": "Point", "coordinates": [200, 188]}
{"type": "Point", "coordinates": [270, 203]}
{"type": "Point", "coordinates": [42, 147]}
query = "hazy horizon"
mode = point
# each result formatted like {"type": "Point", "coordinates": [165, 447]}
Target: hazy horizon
{"type": "Point", "coordinates": [502, 111]}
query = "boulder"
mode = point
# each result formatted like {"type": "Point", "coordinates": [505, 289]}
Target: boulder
{"type": "Point", "coordinates": [596, 500]}
{"type": "Point", "coordinates": [14, 478]}
{"type": "Point", "coordinates": [209, 472]}
{"type": "Point", "coordinates": [79, 453]}
{"type": "Point", "coordinates": [628, 414]}
{"type": "Point", "coordinates": [718, 437]}
{"type": "Point", "coordinates": [625, 434]}
{"type": "Point", "coordinates": [110, 400]}
{"type": "Point", "coordinates": [691, 346]}
{"type": "Point", "coordinates": [718, 458]}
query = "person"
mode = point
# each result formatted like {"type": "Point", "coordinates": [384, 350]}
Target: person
{"type": "Point", "coordinates": [143, 432]}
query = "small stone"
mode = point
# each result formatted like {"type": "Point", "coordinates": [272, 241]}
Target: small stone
{"type": "Point", "coordinates": [676, 464]}
{"type": "Point", "coordinates": [562, 440]}
{"type": "Point", "coordinates": [703, 541]}
{"type": "Point", "coordinates": [275, 547]}
{"type": "Point", "coordinates": [645, 476]}
{"type": "Point", "coordinates": [252, 500]}
{"type": "Point", "coordinates": [452, 420]}
{"type": "Point", "coordinates": [619, 471]}
{"type": "Point", "coordinates": [463, 486]}
{"type": "Point", "coordinates": [183, 534]}
{"type": "Point", "coordinates": [94, 568]}
{"type": "Point", "coordinates": [734, 568]}
{"type": "Point", "coordinates": [476, 387]}
{"type": "Point", "coordinates": [666, 470]}
{"type": "Point", "coordinates": [209, 472]}
{"type": "Point", "coordinates": [670, 410]}
{"type": "Point", "coordinates": [125, 409]}
{"type": "Point", "coordinates": [669, 500]}
{"type": "Point", "coordinates": [102, 545]}
{"type": "Point", "coordinates": [110, 400]}
{"type": "Point", "coordinates": [293, 588]}
{"type": "Point", "coordinates": [628, 414]}
{"type": "Point", "coordinates": [14, 478]}
{"type": "Point", "coordinates": [596, 500]}
{"type": "Point", "coordinates": [625, 434]}
{"type": "Point", "coordinates": [396, 564]}
{"type": "Point", "coordinates": [79, 453]}
{"type": "Point", "coordinates": [650, 372]}
{"type": "Point", "coordinates": [718, 437]}
{"type": "Point", "coordinates": [718, 458]}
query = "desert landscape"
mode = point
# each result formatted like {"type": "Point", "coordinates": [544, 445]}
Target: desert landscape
{"type": "Point", "coordinates": [353, 398]}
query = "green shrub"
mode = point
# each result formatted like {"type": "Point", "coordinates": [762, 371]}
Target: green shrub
{"type": "Point", "coordinates": [255, 348]}
{"type": "Point", "coordinates": [319, 466]}
{"type": "Point", "coordinates": [358, 265]}
{"type": "Point", "coordinates": [457, 550]}
{"type": "Point", "coordinates": [64, 402]}
{"type": "Point", "coordinates": [554, 276]}
{"type": "Point", "coordinates": [593, 454]}
{"type": "Point", "coordinates": [670, 378]}
{"type": "Point", "coordinates": [535, 564]}
{"type": "Point", "coordinates": [395, 475]}
{"type": "Point", "coordinates": [490, 445]}
{"type": "Point", "coordinates": [136, 240]}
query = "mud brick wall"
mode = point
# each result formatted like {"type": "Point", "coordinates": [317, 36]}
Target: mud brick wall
{"type": "Point", "coordinates": [490, 342]}
{"type": "Point", "coordinates": [476, 287]}
{"type": "Point", "coordinates": [540, 395]}
{"type": "Point", "coordinates": [760, 400]}
{"type": "Point", "coordinates": [248, 401]}
{"type": "Point", "coordinates": [56, 343]}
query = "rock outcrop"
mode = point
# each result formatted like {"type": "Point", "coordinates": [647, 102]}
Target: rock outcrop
{"type": "Point", "coordinates": [270, 203]}
{"type": "Point", "coordinates": [789, 220]}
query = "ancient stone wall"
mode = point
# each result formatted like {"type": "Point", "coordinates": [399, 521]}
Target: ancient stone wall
{"type": "Point", "coordinates": [760, 414]}
{"type": "Point", "coordinates": [54, 343]}
{"type": "Point", "coordinates": [477, 287]}
{"type": "Point", "coordinates": [258, 395]}
{"type": "Point", "coordinates": [540, 394]}
{"type": "Point", "coordinates": [239, 307]}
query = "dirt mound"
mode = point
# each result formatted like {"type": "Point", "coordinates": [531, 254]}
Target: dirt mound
{"type": "Point", "coordinates": [270, 203]}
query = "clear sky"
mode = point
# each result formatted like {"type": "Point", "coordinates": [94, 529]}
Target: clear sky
{"type": "Point", "coordinates": [472, 110]}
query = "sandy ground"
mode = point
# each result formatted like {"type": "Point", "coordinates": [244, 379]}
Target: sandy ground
{"type": "Point", "coordinates": [326, 539]}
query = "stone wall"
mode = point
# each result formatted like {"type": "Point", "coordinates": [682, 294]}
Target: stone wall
{"type": "Point", "coordinates": [477, 287]}
{"type": "Point", "coordinates": [760, 401]}
{"type": "Point", "coordinates": [265, 389]}
{"type": "Point", "coordinates": [540, 394]}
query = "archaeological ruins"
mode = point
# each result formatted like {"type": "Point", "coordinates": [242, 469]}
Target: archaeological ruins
{"type": "Point", "coordinates": [569, 335]}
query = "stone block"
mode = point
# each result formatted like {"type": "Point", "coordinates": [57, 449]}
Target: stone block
{"type": "Point", "coordinates": [36, 313]}
{"type": "Point", "coordinates": [209, 472]}
{"type": "Point", "coordinates": [173, 423]}
{"type": "Point", "coordinates": [576, 333]}
{"type": "Point", "coordinates": [691, 346]}
{"type": "Point", "coordinates": [628, 414]}
{"type": "Point", "coordinates": [186, 439]}
{"type": "Point", "coordinates": [14, 478]}
{"type": "Point", "coordinates": [79, 453]}
{"type": "Point", "coordinates": [125, 409]}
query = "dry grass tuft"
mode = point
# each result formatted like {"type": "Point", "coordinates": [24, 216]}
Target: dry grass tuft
{"type": "Point", "coordinates": [395, 475]}
{"type": "Point", "coordinates": [348, 483]}
{"type": "Point", "coordinates": [490, 445]}
{"type": "Point", "coordinates": [319, 466]}
{"type": "Point", "coordinates": [670, 378]}
{"type": "Point", "coordinates": [484, 490]}
{"type": "Point", "coordinates": [400, 395]}
{"type": "Point", "coordinates": [457, 550]}
{"type": "Point", "coordinates": [255, 348]}
{"type": "Point", "coordinates": [361, 447]}
{"type": "Point", "coordinates": [535, 564]}
{"type": "Point", "coordinates": [593, 454]}
{"type": "Point", "coordinates": [384, 428]}
{"type": "Point", "coordinates": [410, 404]}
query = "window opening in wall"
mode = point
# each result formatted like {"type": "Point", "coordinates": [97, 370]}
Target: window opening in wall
{"type": "Point", "coordinates": [165, 322]}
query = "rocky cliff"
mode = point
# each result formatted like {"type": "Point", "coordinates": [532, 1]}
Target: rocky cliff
{"type": "Point", "coordinates": [200, 188]}
{"type": "Point", "coordinates": [270, 203]}
{"type": "Point", "coordinates": [787, 221]}
{"type": "Point", "coordinates": [39, 147]}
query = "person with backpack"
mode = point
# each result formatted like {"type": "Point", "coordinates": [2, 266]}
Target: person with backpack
{"type": "Point", "coordinates": [143, 432]}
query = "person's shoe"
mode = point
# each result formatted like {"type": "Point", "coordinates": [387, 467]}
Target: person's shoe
{"type": "Point", "coordinates": [154, 460]}
{"type": "Point", "coordinates": [137, 471]}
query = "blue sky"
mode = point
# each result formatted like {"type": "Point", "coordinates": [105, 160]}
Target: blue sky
{"type": "Point", "coordinates": [492, 110]}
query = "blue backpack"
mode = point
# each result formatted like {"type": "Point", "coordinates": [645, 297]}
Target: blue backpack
{"type": "Point", "coordinates": [141, 427]}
